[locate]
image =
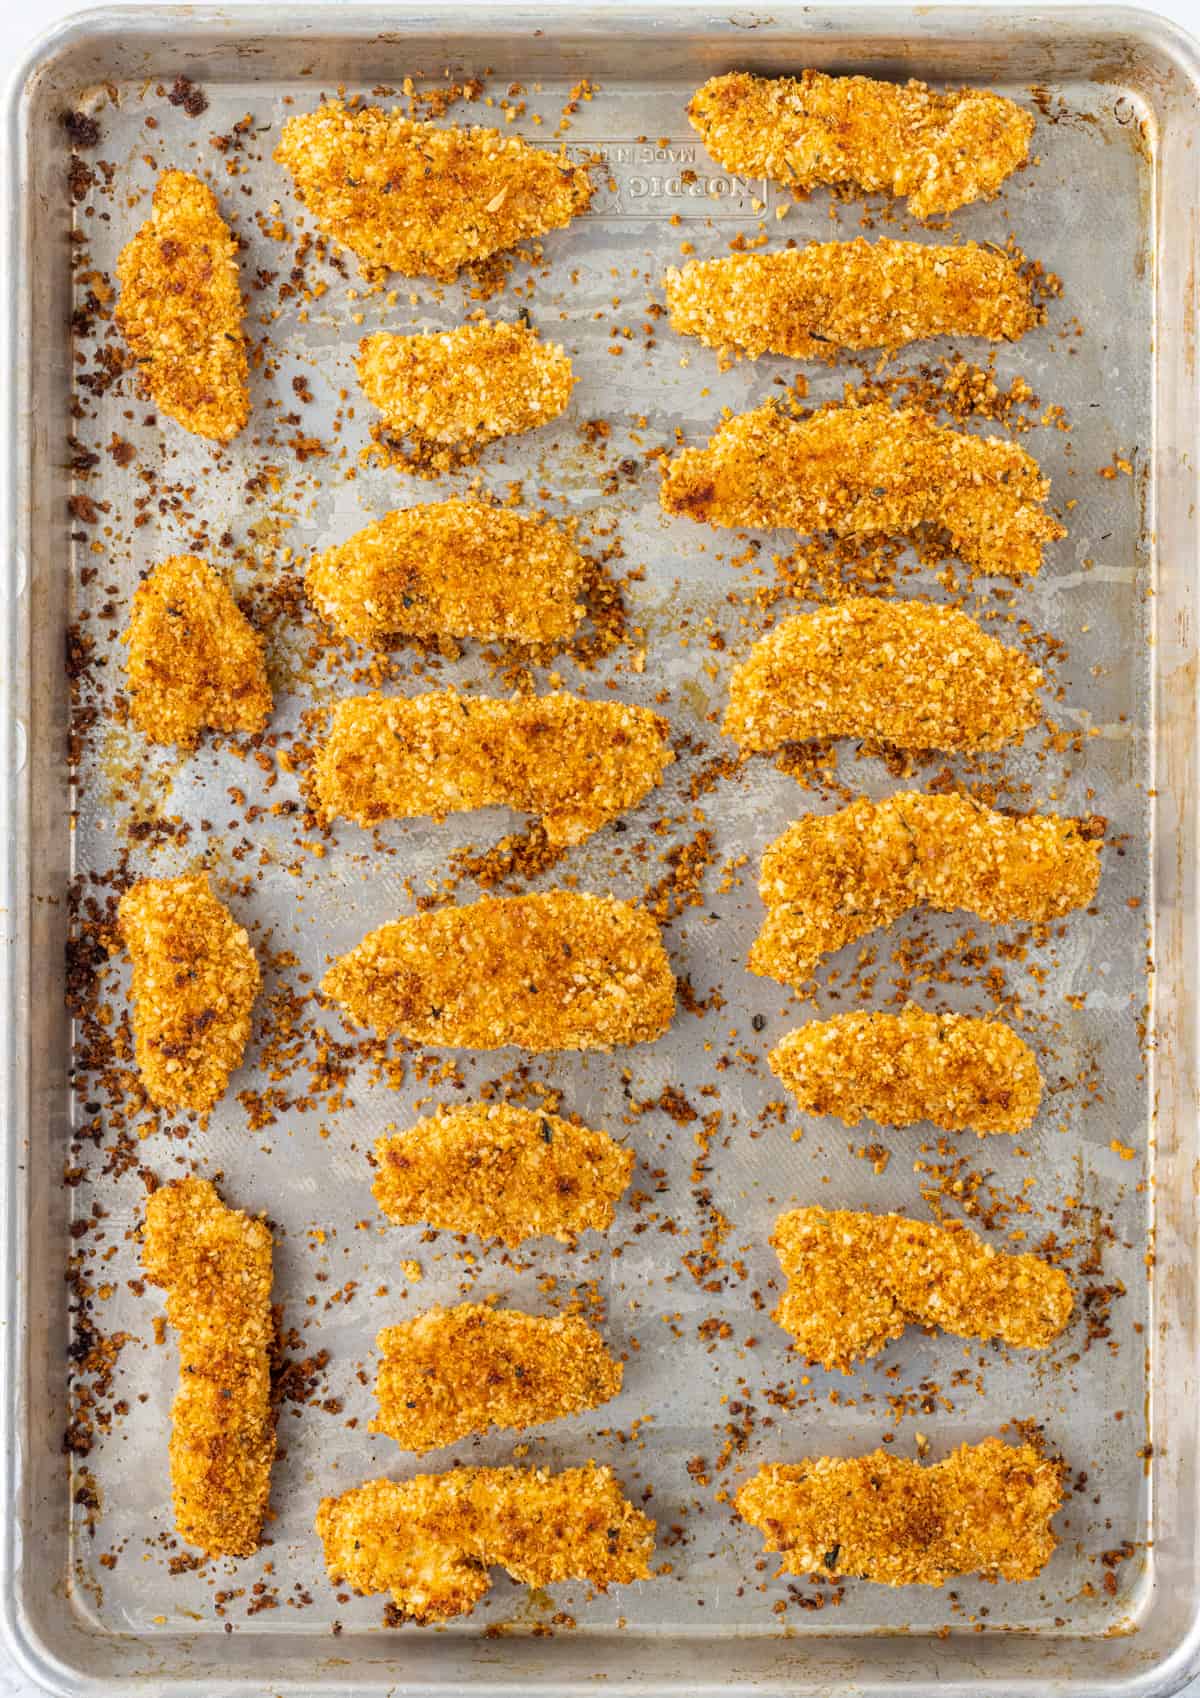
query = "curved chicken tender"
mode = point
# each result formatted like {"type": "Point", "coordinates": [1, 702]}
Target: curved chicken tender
{"type": "Point", "coordinates": [941, 150]}
{"type": "Point", "coordinates": [215, 1264]}
{"type": "Point", "coordinates": [555, 971]}
{"type": "Point", "coordinates": [575, 764]}
{"type": "Point", "coordinates": [856, 1281]}
{"type": "Point", "coordinates": [869, 471]}
{"type": "Point", "coordinates": [180, 310]}
{"type": "Point", "coordinates": [195, 980]}
{"type": "Point", "coordinates": [416, 198]}
{"type": "Point", "coordinates": [810, 301]}
{"type": "Point", "coordinates": [195, 661]}
{"type": "Point", "coordinates": [959, 1073]}
{"type": "Point", "coordinates": [454, 569]}
{"type": "Point", "coordinates": [986, 1509]}
{"type": "Point", "coordinates": [430, 1541]}
{"type": "Point", "coordinates": [501, 1172]}
{"type": "Point", "coordinates": [450, 1372]}
{"type": "Point", "coordinates": [832, 878]}
{"type": "Point", "coordinates": [913, 674]}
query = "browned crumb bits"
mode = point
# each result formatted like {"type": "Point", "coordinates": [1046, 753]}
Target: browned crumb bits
{"type": "Point", "coordinates": [180, 310]}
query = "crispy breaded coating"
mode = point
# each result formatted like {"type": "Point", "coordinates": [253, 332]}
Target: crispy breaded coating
{"type": "Point", "coordinates": [215, 1265]}
{"type": "Point", "coordinates": [430, 1541]}
{"type": "Point", "coordinates": [501, 1172]}
{"type": "Point", "coordinates": [914, 674]}
{"type": "Point", "coordinates": [574, 764]}
{"type": "Point", "coordinates": [986, 1509]}
{"type": "Point", "coordinates": [195, 980]}
{"type": "Point", "coordinates": [450, 569]}
{"type": "Point", "coordinates": [195, 662]}
{"type": "Point", "coordinates": [449, 392]}
{"type": "Point", "coordinates": [832, 878]}
{"type": "Point", "coordinates": [556, 971]}
{"type": "Point", "coordinates": [959, 1073]}
{"type": "Point", "coordinates": [423, 200]}
{"type": "Point", "coordinates": [856, 1281]}
{"type": "Point", "coordinates": [450, 1372]}
{"type": "Point", "coordinates": [180, 310]}
{"type": "Point", "coordinates": [869, 471]}
{"type": "Point", "coordinates": [940, 150]}
{"type": "Point", "coordinates": [810, 301]}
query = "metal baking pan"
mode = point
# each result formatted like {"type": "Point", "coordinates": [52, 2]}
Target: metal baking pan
{"type": "Point", "coordinates": [1111, 207]}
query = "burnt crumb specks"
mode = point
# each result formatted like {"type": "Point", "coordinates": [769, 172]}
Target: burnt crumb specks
{"type": "Point", "coordinates": [186, 94]}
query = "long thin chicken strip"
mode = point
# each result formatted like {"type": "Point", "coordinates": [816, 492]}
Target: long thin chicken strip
{"type": "Point", "coordinates": [430, 1541]}
{"type": "Point", "coordinates": [913, 674]}
{"type": "Point", "coordinates": [857, 1281]}
{"type": "Point", "coordinates": [195, 661]}
{"type": "Point", "coordinates": [195, 980]}
{"type": "Point", "coordinates": [832, 878]}
{"type": "Point", "coordinates": [501, 1172]}
{"type": "Point", "coordinates": [986, 1509]}
{"type": "Point", "coordinates": [575, 764]}
{"type": "Point", "coordinates": [454, 569]}
{"type": "Point", "coordinates": [423, 200]}
{"type": "Point", "coordinates": [450, 1372]}
{"type": "Point", "coordinates": [941, 150]}
{"type": "Point", "coordinates": [959, 1073]}
{"type": "Point", "coordinates": [556, 971]}
{"type": "Point", "coordinates": [810, 301]}
{"type": "Point", "coordinates": [180, 310]}
{"type": "Point", "coordinates": [869, 471]}
{"type": "Point", "coordinates": [215, 1264]}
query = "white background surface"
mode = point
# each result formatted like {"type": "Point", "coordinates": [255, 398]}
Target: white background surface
{"type": "Point", "coordinates": [21, 23]}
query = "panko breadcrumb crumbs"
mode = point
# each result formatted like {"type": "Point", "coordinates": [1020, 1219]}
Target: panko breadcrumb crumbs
{"type": "Point", "coordinates": [808, 302]}
{"type": "Point", "coordinates": [450, 1372]}
{"type": "Point", "coordinates": [574, 764]}
{"type": "Point", "coordinates": [869, 470]}
{"type": "Point", "coordinates": [856, 1281]}
{"type": "Point", "coordinates": [431, 1540]}
{"type": "Point", "coordinates": [503, 1172]}
{"type": "Point", "coordinates": [194, 660]}
{"type": "Point", "coordinates": [986, 1509]}
{"type": "Point", "coordinates": [180, 310]}
{"type": "Point", "coordinates": [420, 199]}
{"type": "Point", "coordinates": [562, 970]}
{"type": "Point", "coordinates": [451, 568]}
{"type": "Point", "coordinates": [832, 878]}
{"type": "Point", "coordinates": [942, 151]}
{"type": "Point", "coordinates": [958, 1073]}
{"type": "Point", "coordinates": [195, 980]}
{"type": "Point", "coordinates": [215, 1265]}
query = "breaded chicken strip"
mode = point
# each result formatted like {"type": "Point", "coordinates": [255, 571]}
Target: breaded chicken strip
{"type": "Point", "coordinates": [412, 197]}
{"type": "Point", "coordinates": [832, 878]}
{"type": "Point", "coordinates": [447, 393]}
{"type": "Point", "coordinates": [958, 1073]}
{"type": "Point", "coordinates": [941, 150]}
{"type": "Point", "coordinates": [501, 1172]}
{"type": "Point", "coordinates": [195, 980]}
{"type": "Point", "coordinates": [575, 764]}
{"type": "Point", "coordinates": [195, 662]}
{"type": "Point", "coordinates": [215, 1265]}
{"type": "Point", "coordinates": [914, 674]}
{"type": "Point", "coordinates": [856, 1281]}
{"type": "Point", "coordinates": [808, 302]}
{"type": "Point", "coordinates": [180, 310]}
{"type": "Point", "coordinates": [450, 1372]}
{"type": "Point", "coordinates": [986, 1509]}
{"type": "Point", "coordinates": [430, 1541]}
{"type": "Point", "coordinates": [869, 471]}
{"type": "Point", "coordinates": [555, 971]}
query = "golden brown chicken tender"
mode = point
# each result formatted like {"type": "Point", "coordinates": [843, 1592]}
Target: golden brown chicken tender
{"type": "Point", "coordinates": [215, 1265]}
{"type": "Point", "coordinates": [180, 310]}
